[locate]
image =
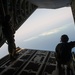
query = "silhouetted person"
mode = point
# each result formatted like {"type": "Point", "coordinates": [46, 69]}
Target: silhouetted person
{"type": "Point", "coordinates": [64, 55]}
{"type": "Point", "coordinates": [8, 33]}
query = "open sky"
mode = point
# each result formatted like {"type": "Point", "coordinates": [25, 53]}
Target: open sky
{"type": "Point", "coordinates": [43, 29]}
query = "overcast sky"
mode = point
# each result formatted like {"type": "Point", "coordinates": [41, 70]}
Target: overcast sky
{"type": "Point", "coordinates": [43, 29]}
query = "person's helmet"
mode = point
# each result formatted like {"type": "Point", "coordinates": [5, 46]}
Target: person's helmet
{"type": "Point", "coordinates": [64, 38]}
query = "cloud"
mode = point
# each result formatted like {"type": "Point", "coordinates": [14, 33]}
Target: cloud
{"type": "Point", "coordinates": [46, 33]}
{"type": "Point", "coordinates": [29, 39]}
{"type": "Point", "coordinates": [49, 33]}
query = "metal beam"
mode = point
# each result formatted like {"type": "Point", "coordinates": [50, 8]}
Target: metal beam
{"type": "Point", "coordinates": [51, 4]}
{"type": "Point", "coordinates": [73, 8]}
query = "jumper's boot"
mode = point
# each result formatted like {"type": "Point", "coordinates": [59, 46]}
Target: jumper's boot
{"type": "Point", "coordinates": [12, 56]}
